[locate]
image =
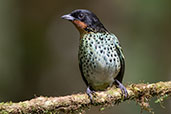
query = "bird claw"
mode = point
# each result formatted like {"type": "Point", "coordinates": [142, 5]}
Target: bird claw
{"type": "Point", "coordinates": [122, 87]}
{"type": "Point", "coordinates": [89, 93]}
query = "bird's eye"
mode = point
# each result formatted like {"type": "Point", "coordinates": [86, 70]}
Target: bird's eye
{"type": "Point", "coordinates": [81, 16]}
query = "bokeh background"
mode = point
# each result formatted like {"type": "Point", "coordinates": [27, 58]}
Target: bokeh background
{"type": "Point", "coordinates": [38, 50]}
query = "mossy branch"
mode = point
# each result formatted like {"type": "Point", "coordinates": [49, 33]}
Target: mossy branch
{"type": "Point", "coordinates": [79, 102]}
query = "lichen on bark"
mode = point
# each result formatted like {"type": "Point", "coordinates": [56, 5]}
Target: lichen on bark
{"type": "Point", "coordinates": [141, 93]}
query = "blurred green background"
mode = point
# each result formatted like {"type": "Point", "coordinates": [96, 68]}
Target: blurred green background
{"type": "Point", "coordinates": [38, 50]}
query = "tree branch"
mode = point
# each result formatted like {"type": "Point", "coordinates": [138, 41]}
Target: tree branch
{"type": "Point", "coordinates": [79, 102]}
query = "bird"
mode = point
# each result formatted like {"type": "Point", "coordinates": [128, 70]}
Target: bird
{"type": "Point", "coordinates": [100, 55]}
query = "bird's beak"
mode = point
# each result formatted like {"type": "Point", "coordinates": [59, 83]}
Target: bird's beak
{"type": "Point", "coordinates": [68, 17]}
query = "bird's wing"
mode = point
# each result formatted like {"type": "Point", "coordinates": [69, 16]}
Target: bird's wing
{"type": "Point", "coordinates": [119, 51]}
{"type": "Point", "coordinates": [82, 74]}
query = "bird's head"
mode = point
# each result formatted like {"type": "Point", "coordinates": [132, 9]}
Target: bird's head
{"type": "Point", "coordinates": [85, 21]}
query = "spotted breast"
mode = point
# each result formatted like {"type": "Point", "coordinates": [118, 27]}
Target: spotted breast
{"type": "Point", "coordinates": [99, 60]}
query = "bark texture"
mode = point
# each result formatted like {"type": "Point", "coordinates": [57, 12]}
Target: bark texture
{"type": "Point", "coordinates": [77, 103]}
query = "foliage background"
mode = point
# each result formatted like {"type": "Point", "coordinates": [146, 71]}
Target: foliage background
{"type": "Point", "coordinates": [38, 50]}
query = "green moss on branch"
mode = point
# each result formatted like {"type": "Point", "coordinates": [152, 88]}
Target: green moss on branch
{"type": "Point", "coordinates": [79, 102]}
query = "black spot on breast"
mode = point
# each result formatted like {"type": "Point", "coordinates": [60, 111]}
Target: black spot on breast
{"type": "Point", "coordinates": [93, 59]}
{"type": "Point", "coordinates": [101, 38]}
{"type": "Point", "coordinates": [101, 51]}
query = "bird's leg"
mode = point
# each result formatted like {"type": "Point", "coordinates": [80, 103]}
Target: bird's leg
{"type": "Point", "coordinates": [89, 93]}
{"type": "Point", "coordinates": [122, 87]}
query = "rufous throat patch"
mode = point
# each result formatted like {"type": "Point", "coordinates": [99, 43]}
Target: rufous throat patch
{"type": "Point", "coordinates": [79, 24]}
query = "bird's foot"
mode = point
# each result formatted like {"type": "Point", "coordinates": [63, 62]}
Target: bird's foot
{"type": "Point", "coordinates": [90, 94]}
{"type": "Point", "coordinates": [122, 87]}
